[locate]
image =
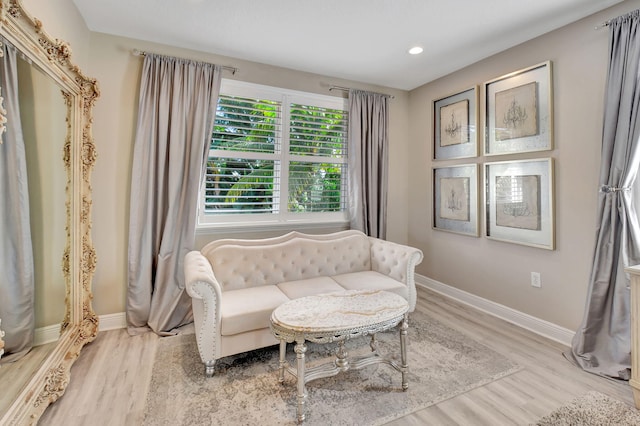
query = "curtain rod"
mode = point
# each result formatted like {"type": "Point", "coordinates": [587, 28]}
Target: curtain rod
{"type": "Point", "coordinates": [138, 52]}
{"type": "Point", "coordinates": [346, 89]}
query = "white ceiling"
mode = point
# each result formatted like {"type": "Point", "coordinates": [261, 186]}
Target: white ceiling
{"type": "Point", "coordinates": [361, 40]}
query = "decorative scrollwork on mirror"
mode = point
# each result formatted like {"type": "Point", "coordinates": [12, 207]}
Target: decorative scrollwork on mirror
{"type": "Point", "coordinates": [78, 259]}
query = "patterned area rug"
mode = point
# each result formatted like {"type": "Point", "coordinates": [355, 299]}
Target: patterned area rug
{"type": "Point", "coordinates": [245, 391]}
{"type": "Point", "coordinates": [593, 409]}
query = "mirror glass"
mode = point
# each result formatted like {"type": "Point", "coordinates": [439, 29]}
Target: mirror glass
{"type": "Point", "coordinates": [43, 113]}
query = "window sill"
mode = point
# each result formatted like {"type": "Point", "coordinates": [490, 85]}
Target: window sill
{"type": "Point", "coordinates": [249, 227]}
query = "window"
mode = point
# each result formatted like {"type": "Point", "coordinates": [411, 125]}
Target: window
{"type": "Point", "coordinates": [276, 156]}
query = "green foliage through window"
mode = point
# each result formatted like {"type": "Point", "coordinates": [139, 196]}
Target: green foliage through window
{"type": "Point", "coordinates": [252, 157]}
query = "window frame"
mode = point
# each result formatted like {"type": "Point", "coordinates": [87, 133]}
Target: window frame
{"type": "Point", "coordinates": [283, 219]}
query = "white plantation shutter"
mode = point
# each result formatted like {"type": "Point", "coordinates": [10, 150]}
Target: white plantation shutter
{"type": "Point", "coordinates": [239, 175]}
{"type": "Point", "coordinates": [317, 147]}
{"type": "Point", "coordinates": [232, 185]}
{"type": "Point", "coordinates": [246, 125]}
{"type": "Point", "coordinates": [317, 131]}
{"type": "Point", "coordinates": [275, 155]}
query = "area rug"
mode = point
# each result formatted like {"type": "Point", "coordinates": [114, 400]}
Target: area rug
{"type": "Point", "coordinates": [245, 390]}
{"type": "Point", "coordinates": [593, 409]}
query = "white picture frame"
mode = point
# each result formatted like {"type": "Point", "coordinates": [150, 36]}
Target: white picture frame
{"type": "Point", "coordinates": [455, 199]}
{"type": "Point", "coordinates": [519, 202]}
{"type": "Point", "coordinates": [455, 130]}
{"type": "Point", "coordinates": [519, 111]}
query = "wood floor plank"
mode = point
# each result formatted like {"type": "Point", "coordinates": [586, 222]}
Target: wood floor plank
{"type": "Point", "coordinates": [111, 378]}
{"type": "Point", "coordinates": [511, 406]}
{"type": "Point", "coordinates": [15, 375]}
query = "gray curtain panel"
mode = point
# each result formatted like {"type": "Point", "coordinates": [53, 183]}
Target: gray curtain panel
{"type": "Point", "coordinates": [16, 252]}
{"type": "Point", "coordinates": [368, 158]}
{"type": "Point", "coordinates": [176, 111]}
{"type": "Point", "coordinates": [602, 345]}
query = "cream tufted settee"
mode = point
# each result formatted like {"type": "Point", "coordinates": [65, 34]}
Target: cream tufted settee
{"type": "Point", "coordinates": [236, 284]}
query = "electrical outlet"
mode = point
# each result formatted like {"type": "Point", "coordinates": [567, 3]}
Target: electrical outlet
{"type": "Point", "coordinates": [535, 279]}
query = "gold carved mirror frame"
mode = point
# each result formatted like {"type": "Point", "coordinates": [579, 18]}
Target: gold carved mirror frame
{"type": "Point", "coordinates": [80, 323]}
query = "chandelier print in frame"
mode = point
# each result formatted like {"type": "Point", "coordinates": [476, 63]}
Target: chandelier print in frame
{"type": "Point", "coordinates": [517, 112]}
{"type": "Point", "coordinates": [454, 125]}
{"type": "Point", "coordinates": [455, 199]}
{"type": "Point", "coordinates": [519, 202]}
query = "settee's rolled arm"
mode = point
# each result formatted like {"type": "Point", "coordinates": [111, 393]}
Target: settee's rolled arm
{"type": "Point", "coordinates": [397, 261]}
{"type": "Point", "coordinates": [206, 297]}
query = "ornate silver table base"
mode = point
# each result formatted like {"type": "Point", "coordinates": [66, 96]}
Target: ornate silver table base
{"type": "Point", "coordinates": [338, 317]}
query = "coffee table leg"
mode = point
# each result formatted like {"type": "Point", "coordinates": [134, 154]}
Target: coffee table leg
{"type": "Point", "coordinates": [374, 343]}
{"type": "Point", "coordinates": [342, 361]}
{"type": "Point", "coordinates": [283, 351]}
{"type": "Point", "coordinates": [300, 348]}
{"type": "Point", "coordinates": [403, 351]}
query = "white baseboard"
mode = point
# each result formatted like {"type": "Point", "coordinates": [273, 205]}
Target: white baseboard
{"type": "Point", "coordinates": [44, 335]}
{"type": "Point", "coordinates": [112, 321]}
{"type": "Point", "coordinates": [526, 321]}
{"type": "Point", "coordinates": [51, 333]}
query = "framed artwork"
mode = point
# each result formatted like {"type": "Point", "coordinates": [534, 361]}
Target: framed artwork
{"type": "Point", "coordinates": [519, 202]}
{"type": "Point", "coordinates": [455, 199]}
{"type": "Point", "coordinates": [455, 125]}
{"type": "Point", "coordinates": [519, 111]}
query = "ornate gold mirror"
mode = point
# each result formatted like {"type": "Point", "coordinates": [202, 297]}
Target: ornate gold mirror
{"type": "Point", "coordinates": [55, 105]}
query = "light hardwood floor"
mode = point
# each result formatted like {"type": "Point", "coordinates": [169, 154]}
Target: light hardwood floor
{"type": "Point", "coordinates": [110, 379]}
{"type": "Point", "coordinates": [15, 375]}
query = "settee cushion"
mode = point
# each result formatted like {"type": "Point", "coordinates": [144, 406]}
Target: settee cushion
{"type": "Point", "coordinates": [309, 287]}
{"type": "Point", "coordinates": [371, 280]}
{"type": "Point", "coordinates": [249, 308]}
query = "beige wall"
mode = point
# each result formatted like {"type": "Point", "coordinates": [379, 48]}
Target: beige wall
{"type": "Point", "coordinates": [118, 72]}
{"type": "Point", "coordinates": [500, 271]}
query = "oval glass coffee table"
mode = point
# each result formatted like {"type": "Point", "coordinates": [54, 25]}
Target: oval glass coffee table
{"type": "Point", "coordinates": [337, 317]}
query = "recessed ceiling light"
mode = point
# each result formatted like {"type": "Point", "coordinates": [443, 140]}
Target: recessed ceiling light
{"type": "Point", "coordinates": [415, 50]}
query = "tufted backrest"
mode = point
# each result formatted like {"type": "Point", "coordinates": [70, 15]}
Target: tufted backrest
{"type": "Point", "coordinates": [389, 259]}
{"type": "Point", "coordinates": [240, 264]}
